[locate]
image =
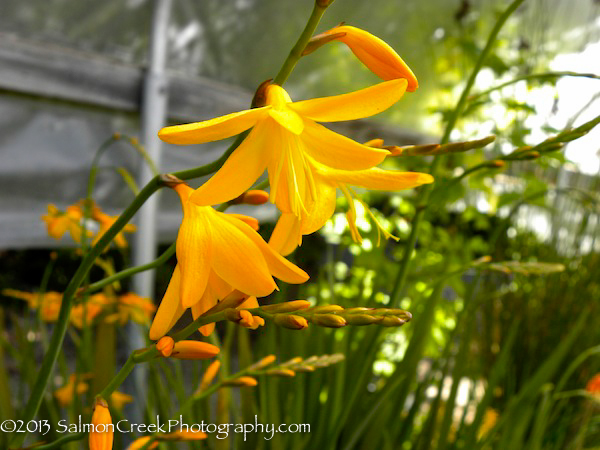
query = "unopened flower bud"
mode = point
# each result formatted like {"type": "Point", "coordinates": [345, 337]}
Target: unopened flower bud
{"type": "Point", "coordinates": [292, 362]}
{"type": "Point", "coordinates": [374, 53]}
{"type": "Point", "coordinates": [286, 307]}
{"type": "Point", "coordinates": [266, 361]}
{"type": "Point", "coordinates": [252, 197]}
{"type": "Point", "coordinates": [241, 382]}
{"type": "Point", "coordinates": [326, 308]}
{"type": "Point", "coordinates": [101, 436]}
{"type": "Point", "coordinates": [247, 320]}
{"type": "Point", "coordinates": [376, 143]}
{"type": "Point", "coordinates": [194, 350]}
{"type": "Point", "coordinates": [281, 372]}
{"type": "Point", "coordinates": [329, 320]}
{"type": "Point", "coordinates": [210, 374]}
{"type": "Point", "coordinates": [362, 319]}
{"type": "Point", "coordinates": [357, 310]}
{"type": "Point", "coordinates": [392, 321]}
{"type": "Point", "coordinates": [165, 346]}
{"type": "Point", "coordinates": [291, 321]}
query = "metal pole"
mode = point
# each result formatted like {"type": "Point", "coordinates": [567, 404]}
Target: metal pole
{"type": "Point", "coordinates": [153, 116]}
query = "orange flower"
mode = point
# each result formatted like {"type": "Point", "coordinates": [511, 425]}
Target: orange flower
{"type": "Point", "coordinates": [132, 306]}
{"type": "Point", "coordinates": [119, 399]}
{"type": "Point", "coordinates": [105, 221]}
{"type": "Point", "coordinates": [593, 386]}
{"type": "Point", "coordinates": [217, 253]}
{"type": "Point", "coordinates": [58, 222]}
{"type": "Point", "coordinates": [64, 395]}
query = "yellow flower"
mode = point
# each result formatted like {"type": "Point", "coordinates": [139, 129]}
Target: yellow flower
{"type": "Point", "coordinates": [58, 222]}
{"type": "Point", "coordinates": [64, 395]}
{"type": "Point", "coordinates": [489, 421]}
{"type": "Point", "coordinates": [49, 305]}
{"type": "Point", "coordinates": [287, 141]}
{"type": "Point", "coordinates": [105, 221]}
{"type": "Point", "coordinates": [377, 55]}
{"type": "Point", "coordinates": [132, 306]}
{"type": "Point", "coordinates": [102, 434]}
{"type": "Point", "coordinates": [290, 228]}
{"type": "Point", "coordinates": [119, 399]}
{"type": "Point", "coordinates": [85, 312]}
{"type": "Point", "coordinates": [217, 253]}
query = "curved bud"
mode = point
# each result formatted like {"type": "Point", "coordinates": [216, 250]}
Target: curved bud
{"type": "Point", "coordinates": [378, 56]}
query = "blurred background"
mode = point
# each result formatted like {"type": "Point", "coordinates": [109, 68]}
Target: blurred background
{"type": "Point", "coordinates": [72, 73]}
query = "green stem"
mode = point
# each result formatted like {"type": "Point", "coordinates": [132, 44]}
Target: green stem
{"type": "Point", "coordinates": [119, 378]}
{"type": "Point", "coordinates": [534, 76]}
{"type": "Point", "coordinates": [426, 190]}
{"type": "Point", "coordinates": [59, 442]}
{"type": "Point", "coordinates": [131, 271]}
{"type": "Point", "coordinates": [296, 52]}
{"type": "Point", "coordinates": [86, 264]}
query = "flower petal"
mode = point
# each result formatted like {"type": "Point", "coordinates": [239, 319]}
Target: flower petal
{"type": "Point", "coordinates": [213, 129]}
{"type": "Point", "coordinates": [237, 259]}
{"type": "Point", "coordinates": [252, 221]}
{"type": "Point", "coordinates": [245, 165]}
{"type": "Point", "coordinates": [208, 300]}
{"type": "Point", "coordinates": [376, 54]}
{"type": "Point", "coordinates": [335, 150]}
{"type": "Point", "coordinates": [170, 309]}
{"type": "Point", "coordinates": [286, 236]}
{"type": "Point", "coordinates": [323, 208]}
{"type": "Point", "coordinates": [375, 178]}
{"type": "Point", "coordinates": [279, 266]}
{"type": "Point", "coordinates": [249, 303]}
{"type": "Point", "coordinates": [354, 105]}
{"type": "Point", "coordinates": [288, 119]}
{"type": "Point", "coordinates": [194, 251]}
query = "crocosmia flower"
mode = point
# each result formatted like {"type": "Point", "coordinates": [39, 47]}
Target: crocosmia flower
{"type": "Point", "coordinates": [287, 141]}
{"type": "Point", "coordinates": [218, 253]}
